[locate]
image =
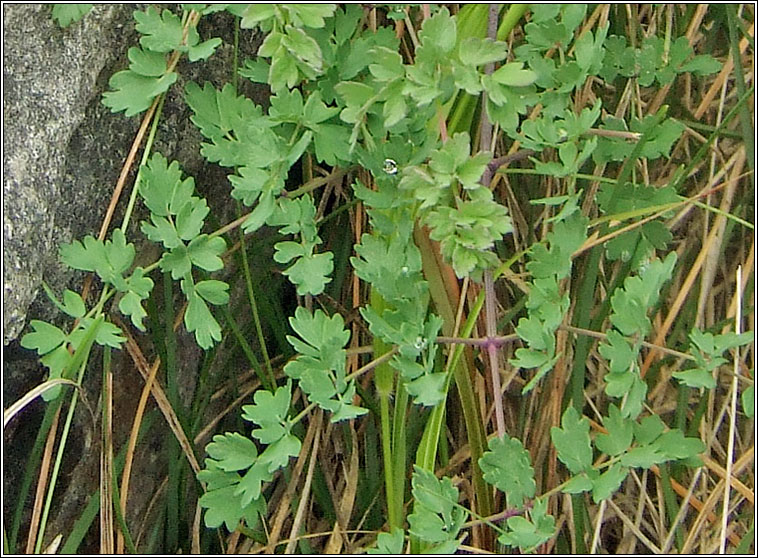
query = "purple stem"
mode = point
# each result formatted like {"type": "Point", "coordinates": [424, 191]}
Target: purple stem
{"type": "Point", "coordinates": [489, 290]}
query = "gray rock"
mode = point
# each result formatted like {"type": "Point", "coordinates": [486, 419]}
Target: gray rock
{"type": "Point", "coordinates": [50, 79]}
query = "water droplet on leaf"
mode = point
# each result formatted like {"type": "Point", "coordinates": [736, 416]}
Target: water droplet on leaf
{"type": "Point", "coordinates": [390, 166]}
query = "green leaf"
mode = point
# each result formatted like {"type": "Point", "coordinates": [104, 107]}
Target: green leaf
{"type": "Point", "coordinates": [572, 441]}
{"type": "Point", "coordinates": [73, 305]}
{"type": "Point", "coordinates": [146, 62]}
{"type": "Point", "coordinates": [427, 389]}
{"type": "Point", "coordinates": [438, 33]}
{"type": "Point", "coordinates": [87, 255]}
{"type": "Point", "coordinates": [436, 517]}
{"type": "Point", "coordinates": [508, 467]}
{"type": "Point", "coordinates": [279, 453]}
{"type": "Point", "coordinates": [204, 252]}
{"type": "Point", "coordinates": [270, 413]}
{"type": "Point", "coordinates": [389, 543]}
{"type": "Point", "coordinates": [199, 320]}
{"type": "Point", "coordinates": [356, 96]}
{"type": "Point", "coordinates": [648, 429]}
{"type": "Point", "coordinates": [309, 15]}
{"type": "Point", "coordinates": [109, 260]}
{"type": "Point", "coordinates": [203, 50]}
{"type": "Point", "coordinates": [176, 261]}
{"type": "Point", "coordinates": [213, 291]}
{"type": "Point", "coordinates": [239, 133]}
{"type": "Point", "coordinates": [232, 451]}
{"type": "Point", "coordinates": [475, 51]}
{"type": "Point", "coordinates": [131, 305]}
{"type": "Point", "coordinates": [249, 488]}
{"type": "Point", "coordinates": [620, 433]}
{"type": "Point", "coordinates": [527, 534]}
{"type": "Point", "coordinates": [311, 273]}
{"type": "Point", "coordinates": [578, 484]}
{"type": "Point", "coordinates": [162, 31]}
{"type": "Point", "coordinates": [107, 334]}
{"type": "Point", "coordinates": [66, 14]}
{"type": "Point", "coordinates": [529, 358]}
{"type": "Point", "coordinates": [696, 378]}
{"type": "Point", "coordinates": [134, 93]}
{"type": "Point", "coordinates": [512, 74]}
{"type": "Point", "coordinates": [222, 506]}
{"type": "Point", "coordinates": [702, 64]}
{"type": "Point", "coordinates": [162, 187]}
{"type": "Point", "coordinates": [256, 13]}
{"type": "Point", "coordinates": [303, 48]}
{"type": "Point", "coordinates": [607, 484]}
{"type": "Point", "coordinates": [190, 218]}
{"type": "Point", "coordinates": [748, 401]}
{"type": "Point", "coordinates": [163, 231]}
{"type": "Point", "coordinates": [44, 338]}
{"type": "Point", "coordinates": [644, 456]}
{"type": "Point", "coordinates": [619, 353]}
{"type": "Point", "coordinates": [674, 445]}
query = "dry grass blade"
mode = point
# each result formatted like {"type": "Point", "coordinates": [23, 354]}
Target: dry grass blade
{"type": "Point", "coordinates": [132, 444]}
{"type": "Point", "coordinates": [283, 505]}
{"type": "Point", "coordinates": [345, 506]}
{"type": "Point", "coordinates": [107, 541]}
{"type": "Point", "coordinates": [42, 480]}
{"type": "Point", "coordinates": [684, 291]}
{"type": "Point", "coordinates": [305, 494]}
{"type": "Point", "coordinates": [31, 395]}
{"type": "Point", "coordinates": [160, 398]}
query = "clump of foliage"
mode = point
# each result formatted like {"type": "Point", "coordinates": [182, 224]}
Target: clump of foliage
{"type": "Point", "coordinates": [384, 103]}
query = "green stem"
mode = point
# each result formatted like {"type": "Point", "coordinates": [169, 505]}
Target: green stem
{"type": "Point", "coordinates": [145, 155]}
{"type": "Point", "coordinates": [384, 380]}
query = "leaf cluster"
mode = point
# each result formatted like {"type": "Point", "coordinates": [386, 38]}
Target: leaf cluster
{"type": "Point", "coordinates": [655, 60]}
{"type": "Point", "coordinates": [294, 53]}
{"type": "Point", "coordinates": [242, 136]}
{"type": "Point", "coordinates": [708, 350]}
{"type": "Point", "coordinates": [320, 365]}
{"type": "Point", "coordinates": [234, 470]}
{"type": "Point", "coordinates": [176, 219]}
{"type": "Point", "coordinates": [391, 263]}
{"type": "Point", "coordinates": [467, 227]}
{"type": "Point", "coordinates": [630, 305]}
{"type": "Point", "coordinates": [148, 76]}
{"type": "Point", "coordinates": [629, 443]}
{"type": "Point", "coordinates": [437, 518]}
{"type": "Point", "coordinates": [546, 304]}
